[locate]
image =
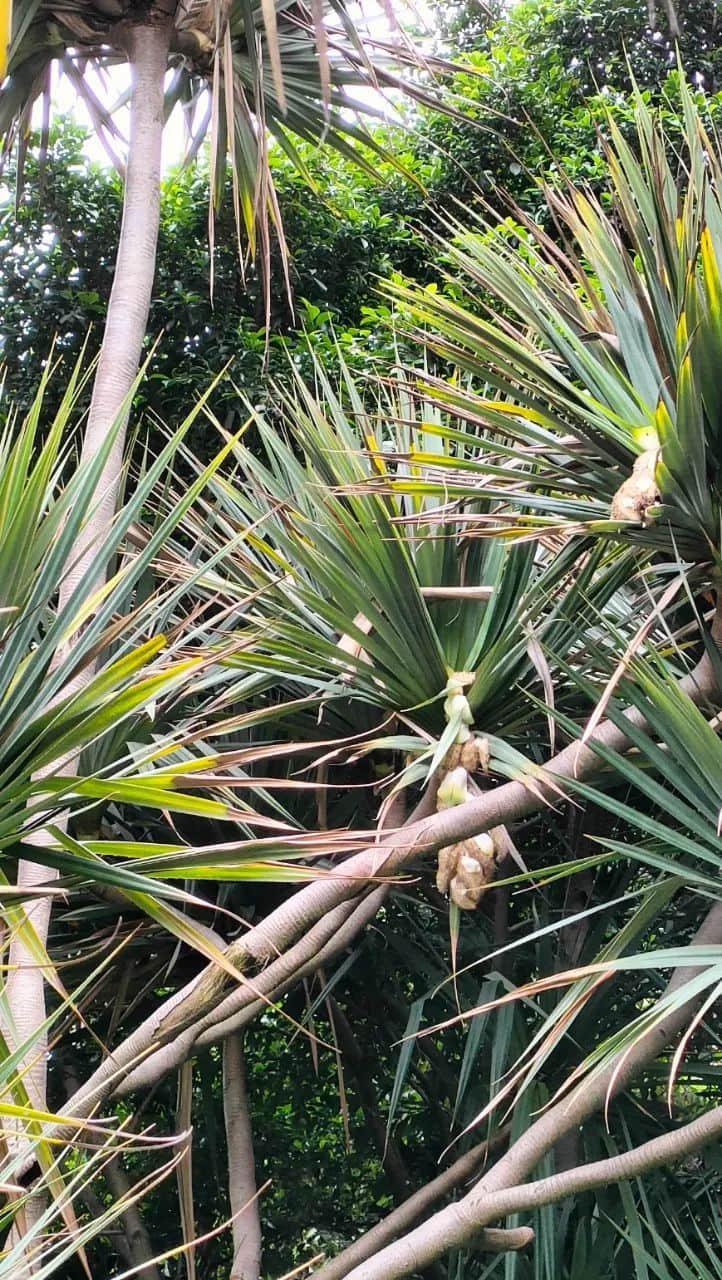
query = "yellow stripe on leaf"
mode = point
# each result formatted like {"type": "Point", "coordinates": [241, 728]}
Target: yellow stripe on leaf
{"type": "Point", "coordinates": [6, 27]}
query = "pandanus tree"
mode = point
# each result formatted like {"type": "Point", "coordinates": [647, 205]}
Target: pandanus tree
{"type": "Point", "coordinates": [547, 520]}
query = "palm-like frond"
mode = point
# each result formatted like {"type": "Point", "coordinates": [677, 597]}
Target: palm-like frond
{"type": "Point", "coordinates": [359, 595]}
{"type": "Point", "coordinates": [600, 359]}
{"type": "Point", "coordinates": [52, 714]}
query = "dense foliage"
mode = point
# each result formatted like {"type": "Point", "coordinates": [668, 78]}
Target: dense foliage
{"type": "Point", "coordinates": [58, 256]}
{"type": "Point", "coordinates": [543, 76]}
{"type": "Point", "coordinates": [507, 543]}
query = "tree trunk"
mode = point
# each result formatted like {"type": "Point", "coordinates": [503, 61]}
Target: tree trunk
{"type": "Point", "coordinates": [241, 1165]}
{"type": "Point", "coordinates": [135, 1232]}
{"type": "Point", "coordinates": [127, 316]}
{"type": "Point", "coordinates": [125, 328]}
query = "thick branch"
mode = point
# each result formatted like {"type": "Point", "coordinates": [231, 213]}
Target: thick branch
{"type": "Point", "coordinates": [291, 922]}
{"type": "Point", "coordinates": [117, 366]}
{"type": "Point", "coordinates": [494, 808]}
{"type": "Point", "coordinates": [498, 807]}
{"type": "Point", "coordinates": [278, 977]}
{"type": "Point", "coordinates": [454, 1224]}
{"type": "Point", "coordinates": [134, 1228]}
{"type": "Point", "coordinates": [130, 1240]}
{"type": "Point", "coordinates": [409, 1255]}
{"type": "Point", "coordinates": [129, 303]}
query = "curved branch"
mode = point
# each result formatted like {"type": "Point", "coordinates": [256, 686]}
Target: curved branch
{"type": "Point", "coordinates": [403, 1217]}
{"type": "Point", "coordinates": [288, 969]}
{"type": "Point", "coordinates": [134, 1227]}
{"type": "Point", "coordinates": [357, 920]}
{"type": "Point", "coordinates": [411, 1255]}
{"type": "Point", "coordinates": [454, 1224]}
{"type": "Point", "coordinates": [498, 807]}
{"type": "Point", "coordinates": [294, 919]}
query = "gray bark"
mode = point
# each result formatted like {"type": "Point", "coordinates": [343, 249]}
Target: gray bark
{"type": "Point", "coordinates": [241, 1164]}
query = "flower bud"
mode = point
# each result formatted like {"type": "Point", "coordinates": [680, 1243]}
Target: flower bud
{"type": "Point", "coordinates": [452, 790]}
